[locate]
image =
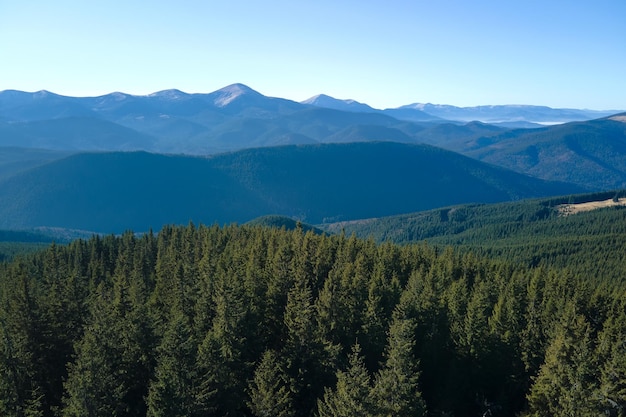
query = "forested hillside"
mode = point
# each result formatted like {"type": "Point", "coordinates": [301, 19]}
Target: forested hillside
{"type": "Point", "coordinates": [14, 160]}
{"type": "Point", "coordinates": [530, 232]}
{"type": "Point", "coordinates": [113, 192]}
{"type": "Point", "coordinates": [590, 153]}
{"type": "Point", "coordinates": [251, 321]}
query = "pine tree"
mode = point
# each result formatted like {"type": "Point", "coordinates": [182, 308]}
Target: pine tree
{"type": "Point", "coordinates": [396, 391]}
{"type": "Point", "coordinates": [21, 387]}
{"type": "Point", "coordinates": [95, 385]}
{"type": "Point", "coordinates": [566, 384]}
{"type": "Point", "coordinates": [352, 395]}
{"type": "Point", "coordinates": [172, 391]}
{"type": "Point", "coordinates": [113, 362]}
{"type": "Point", "coordinates": [308, 357]}
{"type": "Point", "coordinates": [612, 353]}
{"type": "Point", "coordinates": [269, 390]}
{"type": "Point", "coordinates": [221, 363]}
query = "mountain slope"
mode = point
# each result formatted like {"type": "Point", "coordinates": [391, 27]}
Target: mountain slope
{"type": "Point", "coordinates": [21, 106]}
{"type": "Point", "coordinates": [322, 100]}
{"type": "Point", "coordinates": [531, 232]}
{"type": "Point", "coordinates": [74, 134]}
{"type": "Point", "coordinates": [111, 192]}
{"type": "Point", "coordinates": [116, 191]}
{"type": "Point", "coordinates": [14, 160]}
{"type": "Point", "coordinates": [591, 154]}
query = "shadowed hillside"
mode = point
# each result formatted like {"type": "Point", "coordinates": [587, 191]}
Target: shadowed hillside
{"type": "Point", "coordinates": [112, 192]}
{"type": "Point", "coordinates": [591, 154]}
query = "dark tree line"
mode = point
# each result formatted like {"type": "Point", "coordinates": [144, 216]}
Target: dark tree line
{"type": "Point", "coordinates": [252, 321]}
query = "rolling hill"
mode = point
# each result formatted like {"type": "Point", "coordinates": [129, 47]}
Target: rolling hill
{"type": "Point", "coordinates": [112, 192]}
{"type": "Point", "coordinates": [74, 134]}
{"type": "Point", "coordinates": [14, 160]}
{"type": "Point", "coordinates": [591, 154]}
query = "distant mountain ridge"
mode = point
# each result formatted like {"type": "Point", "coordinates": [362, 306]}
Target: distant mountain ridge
{"type": "Point", "coordinates": [172, 121]}
{"type": "Point", "coordinates": [237, 117]}
{"type": "Point", "coordinates": [486, 114]}
{"type": "Point", "coordinates": [112, 192]}
{"type": "Point", "coordinates": [591, 154]}
{"type": "Point", "coordinates": [508, 113]}
{"type": "Point", "coordinates": [23, 106]}
{"type": "Point", "coordinates": [322, 100]}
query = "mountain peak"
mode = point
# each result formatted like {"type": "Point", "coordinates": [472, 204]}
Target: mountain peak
{"type": "Point", "coordinates": [43, 94]}
{"type": "Point", "coordinates": [323, 100]}
{"type": "Point", "coordinates": [171, 94]}
{"type": "Point", "coordinates": [226, 95]}
{"type": "Point", "coordinates": [117, 96]}
{"type": "Point", "coordinates": [317, 99]}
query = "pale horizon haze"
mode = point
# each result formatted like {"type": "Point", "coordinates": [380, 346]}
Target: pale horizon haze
{"type": "Point", "coordinates": [562, 54]}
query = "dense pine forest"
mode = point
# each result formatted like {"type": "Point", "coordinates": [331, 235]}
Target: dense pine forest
{"type": "Point", "coordinates": [533, 232]}
{"type": "Point", "coordinates": [254, 321]}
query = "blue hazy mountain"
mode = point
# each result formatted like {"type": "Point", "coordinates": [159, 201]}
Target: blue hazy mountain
{"type": "Point", "coordinates": [237, 117]}
{"type": "Point", "coordinates": [591, 153]}
{"type": "Point", "coordinates": [506, 115]}
{"type": "Point", "coordinates": [323, 100]}
{"type": "Point", "coordinates": [232, 118]}
{"type": "Point", "coordinates": [112, 192]}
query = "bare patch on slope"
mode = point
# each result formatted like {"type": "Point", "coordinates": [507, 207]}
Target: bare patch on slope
{"type": "Point", "coordinates": [567, 209]}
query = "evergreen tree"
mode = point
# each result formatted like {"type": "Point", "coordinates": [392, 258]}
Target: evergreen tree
{"type": "Point", "coordinates": [566, 384]}
{"type": "Point", "coordinates": [221, 365]}
{"type": "Point", "coordinates": [95, 385]}
{"type": "Point", "coordinates": [20, 393]}
{"type": "Point", "coordinates": [113, 359]}
{"type": "Point", "coordinates": [612, 353]}
{"type": "Point", "coordinates": [396, 391]}
{"type": "Point", "coordinates": [308, 357]}
{"type": "Point", "coordinates": [375, 323]}
{"type": "Point", "coordinates": [21, 387]}
{"type": "Point", "coordinates": [352, 395]}
{"type": "Point", "coordinates": [269, 390]}
{"type": "Point", "coordinates": [172, 391]}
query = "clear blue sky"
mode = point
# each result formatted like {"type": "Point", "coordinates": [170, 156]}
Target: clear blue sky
{"type": "Point", "coordinates": [559, 53]}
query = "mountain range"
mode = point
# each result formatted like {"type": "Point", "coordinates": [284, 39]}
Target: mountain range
{"type": "Point", "coordinates": [238, 117]}
{"type": "Point", "coordinates": [231, 118]}
{"type": "Point", "coordinates": [511, 115]}
{"type": "Point", "coordinates": [108, 163]}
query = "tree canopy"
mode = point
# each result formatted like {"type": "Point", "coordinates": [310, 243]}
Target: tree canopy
{"type": "Point", "coordinates": [255, 321]}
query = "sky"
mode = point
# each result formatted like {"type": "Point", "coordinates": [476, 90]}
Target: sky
{"type": "Point", "coordinates": [558, 53]}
